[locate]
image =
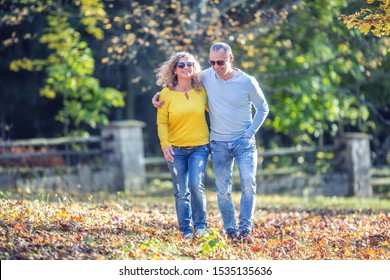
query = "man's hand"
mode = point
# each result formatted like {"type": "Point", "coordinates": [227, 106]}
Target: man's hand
{"type": "Point", "coordinates": [168, 153]}
{"type": "Point", "coordinates": [155, 101]}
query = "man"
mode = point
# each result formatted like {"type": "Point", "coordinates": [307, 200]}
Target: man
{"type": "Point", "coordinates": [231, 95]}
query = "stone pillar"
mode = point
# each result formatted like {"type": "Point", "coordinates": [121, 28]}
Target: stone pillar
{"type": "Point", "coordinates": [355, 160]}
{"type": "Point", "coordinates": [122, 145]}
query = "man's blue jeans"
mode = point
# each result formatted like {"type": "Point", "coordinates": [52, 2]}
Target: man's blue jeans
{"type": "Point", "coordinates": [188, 170]}
{"type": "Point", "coordinates": [223, 154]}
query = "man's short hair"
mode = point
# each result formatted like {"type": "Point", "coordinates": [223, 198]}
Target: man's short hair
{"type": "Point", "coordinates": [220, 45]}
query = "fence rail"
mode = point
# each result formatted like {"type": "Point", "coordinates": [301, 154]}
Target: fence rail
{"type": "Point", "coordinates": [380, 177]}
{"type": "Point", "coordinates": [51, 154]}
{"type": "Point", "coordinates": [50, 141]}
{"type": "Point", "coordinates": [281, 168]}
{"type": "Point", "coordinates": [112, 161]}
{"type": "Point", "coordinates": [54, 147]}
{"type": "Point", "coordinates": [281, 152]}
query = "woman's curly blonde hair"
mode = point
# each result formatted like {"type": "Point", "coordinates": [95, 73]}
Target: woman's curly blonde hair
{"type": "Point", "coordinates": [166, 76]}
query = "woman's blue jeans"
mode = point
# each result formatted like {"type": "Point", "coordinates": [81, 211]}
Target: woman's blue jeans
{"type": "Point", "coordinates": [223, 154]}
{"type": "Point", "coordinates": [188, 171]}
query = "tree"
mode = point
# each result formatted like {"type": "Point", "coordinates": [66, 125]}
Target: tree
{"type": "Point", "coordinates": [374, 19]}
{"type": "Point", "coordinates": [142, 34]}
{"type": "Point", "coordinates": [320, 78]}
{"type": "Point", "coordinates": [315, 71]}
{"type": "Point", "coordinates": [69, 65]}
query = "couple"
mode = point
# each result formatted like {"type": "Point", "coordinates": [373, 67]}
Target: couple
{"type": "Point", "coordinates": [228, 94]}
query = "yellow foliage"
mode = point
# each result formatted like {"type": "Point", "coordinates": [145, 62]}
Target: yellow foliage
{"type": "Point", "coordinates": [48, 92]}
{"type": "Point", "coordinates": [365, 27]}
{"type": "Point", "coordinates": [375, 19]}
{"type": "Point", "coordinates": [300, 59]}
{"type": "Point", "coordinates": [247, 64]}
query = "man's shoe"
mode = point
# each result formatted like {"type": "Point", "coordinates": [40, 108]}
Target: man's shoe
{"type": "Point", "coordinates": [245, 235]}
{"type": "Point", "coordinates": [232, 236]}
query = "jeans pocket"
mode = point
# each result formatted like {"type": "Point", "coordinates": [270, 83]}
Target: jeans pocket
{"type": "Point", "coordinates": [246, 142]}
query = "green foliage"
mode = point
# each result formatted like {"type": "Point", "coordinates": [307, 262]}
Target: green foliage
{"type": "Point", "coordinates": [313, 71]}
{"type": "Point", "coordinates": [92, 14]}
{"type": "Point", "coordinates": [151, 31]}
{"type": "Point", "coordinates": [212, 243]}
{"type": "Point", "coordinates": [70, 69]}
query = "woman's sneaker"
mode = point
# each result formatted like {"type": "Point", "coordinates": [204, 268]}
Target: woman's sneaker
{"type": "Point", "coordinates": [245, 235]}
{"type": "Point", "coordinates": [200, 232]}
{"type": "Point", "coordinates": [188, 235]}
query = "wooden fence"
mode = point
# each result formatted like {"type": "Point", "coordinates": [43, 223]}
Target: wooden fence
{"type": "Point", "coordinates": [293, 170]}
{"type": "Point", "coordinates": [114, 161]}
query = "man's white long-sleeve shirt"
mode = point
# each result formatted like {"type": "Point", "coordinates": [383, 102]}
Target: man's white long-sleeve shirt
{"type": "Point", "coordinates": [230, 105]}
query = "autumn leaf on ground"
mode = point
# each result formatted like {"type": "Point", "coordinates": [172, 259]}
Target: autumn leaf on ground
{"type": "Point", "coordinates": [33, 229]}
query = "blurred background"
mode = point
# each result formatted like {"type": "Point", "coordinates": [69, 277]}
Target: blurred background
{"type": "Point", "coordinates": [69, 67]}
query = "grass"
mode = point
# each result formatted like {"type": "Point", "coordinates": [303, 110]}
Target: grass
{"type": "Point", "coordinates": [161, 192]}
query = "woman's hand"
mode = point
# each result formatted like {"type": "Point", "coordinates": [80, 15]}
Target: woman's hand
{"type": "Point", "coordinates": [168, 153]}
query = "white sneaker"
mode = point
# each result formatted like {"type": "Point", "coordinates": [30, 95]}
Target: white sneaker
{"type": "Point", "coordinates": [188, 236]}
{"type": "Point", "coordinates": [200, 232]}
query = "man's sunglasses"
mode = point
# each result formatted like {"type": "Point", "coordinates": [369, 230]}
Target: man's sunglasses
{"type": "Point", "coordinates": [218, 62]}
{"type": "Point", "coordinates": [181, 65]}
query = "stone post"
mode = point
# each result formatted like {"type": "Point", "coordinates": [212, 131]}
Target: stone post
{"type": "Point", "coordinates": [355, 160]}
{"type": "Point", "coordinates": [123, 152]}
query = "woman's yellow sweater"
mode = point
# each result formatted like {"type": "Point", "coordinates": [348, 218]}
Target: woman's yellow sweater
{"type": "Point", "coordinates": [182, 122]}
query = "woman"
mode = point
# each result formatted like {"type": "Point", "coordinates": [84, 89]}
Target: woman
{"type": "Point", "coordinates": [184, 138]}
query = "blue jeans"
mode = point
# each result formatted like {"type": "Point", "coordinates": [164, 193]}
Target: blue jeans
{"type": "Point", "coordinates": [223, 154]}
{"type": "Point", "coordinates": [187, 170]}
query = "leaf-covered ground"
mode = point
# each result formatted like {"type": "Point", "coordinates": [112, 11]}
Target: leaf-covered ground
{"type": "Point", "coordinates": [146, 228]}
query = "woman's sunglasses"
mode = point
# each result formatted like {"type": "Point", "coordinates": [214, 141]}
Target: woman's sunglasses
{"type": "Point", "coordinates": [181, 65]}
{"type": "Point", "coordinates": [219, 62]}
